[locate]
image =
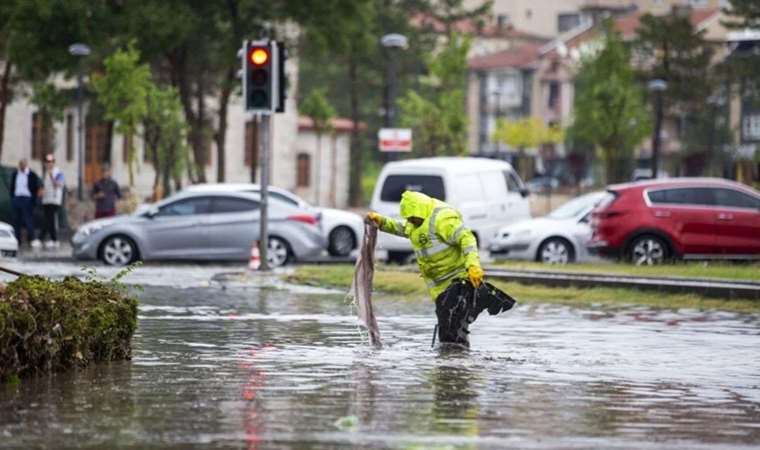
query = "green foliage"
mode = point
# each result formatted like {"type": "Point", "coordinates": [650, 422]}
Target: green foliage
{"type": "Point", "coordinates": [318, 108]}
{"type": "Point", "coordinates": [529, 132]}
{"type": "Point", "coordinates": [742, 14]}
{"type": "Point", "coordinates": [436, 112]}
{"type": "Point", "coordinates": [609, 109]}
{"type": "Point", "coordinates": [53, 325]}
{"type": "Point", "coordinates": [671, 49]}
{"type": "Point", "coordinates": [123, 91]}
{"type": "Point", "coordinates": [165, 135]}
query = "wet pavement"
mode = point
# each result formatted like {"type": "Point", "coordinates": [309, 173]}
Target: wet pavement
{"type": "Point", "coordinates": [252, 363]}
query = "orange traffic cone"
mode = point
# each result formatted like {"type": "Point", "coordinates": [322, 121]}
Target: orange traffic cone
{"type": "Point", "coordinates": [255, 262]}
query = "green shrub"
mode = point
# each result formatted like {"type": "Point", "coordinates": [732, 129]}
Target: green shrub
{"type": "Point", "coordinates": [50, 325]}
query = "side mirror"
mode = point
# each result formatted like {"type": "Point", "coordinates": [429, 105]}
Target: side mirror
{"type": "Point", "coordinates": [151, 212]}
{"type": "Point", "coordinates": [524, 192]}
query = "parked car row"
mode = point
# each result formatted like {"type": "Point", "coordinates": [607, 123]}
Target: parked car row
{"type": "Point", "coordinates": [650, 222]}
{"type": "Point", "coordinates": [645, 222]}
{"type": "Point", "coordinates": [218, 222]}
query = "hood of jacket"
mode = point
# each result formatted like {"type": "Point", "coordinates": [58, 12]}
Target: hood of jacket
{"type": "Point", "coordinates": [416, 204]}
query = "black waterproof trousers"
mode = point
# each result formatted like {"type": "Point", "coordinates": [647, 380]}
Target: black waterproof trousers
{"type": "Point", "coordinates": [461, 303]}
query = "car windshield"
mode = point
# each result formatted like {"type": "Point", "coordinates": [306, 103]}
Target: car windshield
{"type": "Point", "coordinates": [576, 206]}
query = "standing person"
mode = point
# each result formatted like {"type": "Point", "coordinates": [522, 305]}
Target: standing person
{"type": "Point", "coordinates": [25, 187]}
{"type": "Point", "coordinates": [445, 249]}
{"type": "Point", "coordinates": [105, 192]}
{"type": "Point", "coordinates": [52, 199]}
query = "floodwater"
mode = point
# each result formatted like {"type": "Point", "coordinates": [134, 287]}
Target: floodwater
{"type": "Point", "coordinates": [255, 368]}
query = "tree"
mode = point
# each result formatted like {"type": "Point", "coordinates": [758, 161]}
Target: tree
{"type": "Point", "coordinates": [321, 112]}
{"type": "Point", "coordinates": [608, 106]}
{"type": "Point", "coordinates": [123, 90]}
{"type": "Point", "coordinates": [165, 136]}
{"type": "Point", "coordinates": [436, 112]}
{"type": "Point", "coordinates": [529, 132]}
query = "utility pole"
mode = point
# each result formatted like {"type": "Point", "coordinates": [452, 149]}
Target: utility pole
{"type": "Point", "coordinates": [657, 86]}
{"type": "Point", "coordinates": [80, 50]}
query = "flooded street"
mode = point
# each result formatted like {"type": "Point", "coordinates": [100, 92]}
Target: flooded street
{"type": "Point", "coordinates": [253, 368]}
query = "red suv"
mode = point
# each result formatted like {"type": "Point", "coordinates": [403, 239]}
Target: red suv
{"type": "Point", "coordinates": [652, 221]}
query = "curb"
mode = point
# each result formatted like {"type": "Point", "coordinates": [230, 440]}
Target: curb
{"type": "Point", "coordinates": [706, 287]}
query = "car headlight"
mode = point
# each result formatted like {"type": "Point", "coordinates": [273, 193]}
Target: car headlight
{"type": "Point", "coordinates": [87, 230]}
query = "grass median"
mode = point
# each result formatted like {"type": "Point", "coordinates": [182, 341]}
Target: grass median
{"type": "Point", "coordinates": [407, 284]}
{"type": "Point", "coordinates": [698, 270]}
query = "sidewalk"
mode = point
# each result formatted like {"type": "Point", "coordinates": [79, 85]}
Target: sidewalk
{"type": "Point", "coordinates": [62, 253]}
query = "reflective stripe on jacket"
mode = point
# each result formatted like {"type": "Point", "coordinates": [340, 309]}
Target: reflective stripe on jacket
{"type": "Point", "coordinates": [444, 247]}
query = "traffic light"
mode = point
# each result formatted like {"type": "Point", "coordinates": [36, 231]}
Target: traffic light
{"type": "Point", "coordinates": [259, 73]}
{"type": "Point", "coordinates": [264, 79]}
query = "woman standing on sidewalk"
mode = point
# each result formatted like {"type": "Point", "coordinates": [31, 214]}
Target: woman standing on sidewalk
{"type": "Point", "coordinates": [52, 199]}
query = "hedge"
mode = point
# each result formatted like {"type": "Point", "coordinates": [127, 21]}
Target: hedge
{"type": "Point", "coordinates": [48, 325]}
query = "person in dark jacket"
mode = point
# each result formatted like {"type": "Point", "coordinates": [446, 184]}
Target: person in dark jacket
{"type": "Point", "coordinates": [25, 188]}
{"type": "Point", "coordinates": [106, 192]}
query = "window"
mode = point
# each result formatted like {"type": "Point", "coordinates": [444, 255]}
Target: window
{"type": "Point", "coordinates": [682, 196]}
{"type": "Point", "coordinates": [69, 137]}
{"type": "Point", "coordinates": [553, 102]}
{"type": "Point", "coordinates": [502, 21]}
{"type": "Point", "coordinates": [513, 183]}
{"type": "Point", "coordinates": [186, 207]}
{"type": "Point", "coordinates": [395, 185]}
{"type": "Point", "coordinates": [698, 3]}
{"type": "Point", "coordinates": [735, 199]}
{"type": "Point", "coordinates": [283, 198]}
{"type": "Point", "coordinates": [226, 205]}
{"type": "Point", "coordinates": [42, 135]}
{"type": "Point", "coordinates": [568, 21]}
{"type": "Point", "coordinates": [303, 170]}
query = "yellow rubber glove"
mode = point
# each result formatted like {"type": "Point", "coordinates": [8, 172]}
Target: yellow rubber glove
{"type": "Point", "coordinates": [475, 274]}
{"type": "Point", "coordinates": [374, 217]}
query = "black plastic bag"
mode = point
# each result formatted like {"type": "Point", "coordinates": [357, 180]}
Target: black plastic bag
{"type": "Point", "coordinates": [461, 303]}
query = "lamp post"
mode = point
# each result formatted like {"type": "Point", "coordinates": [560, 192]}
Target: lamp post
{"type": "Point", "coordinates": [657, 86]}
{"type": "Point", "coordinates": [80, 50]}
{"type": "Point", "coordinates": [390, 42]}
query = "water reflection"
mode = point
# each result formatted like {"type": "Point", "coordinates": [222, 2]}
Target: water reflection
{"type": "Point", "coordinates": [257, 369]}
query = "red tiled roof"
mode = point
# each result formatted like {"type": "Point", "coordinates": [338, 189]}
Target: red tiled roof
{"type": "Point", "coordinates": [520, 57]}
{"type": "Point", "coordinates": [340, 124]}
{"type": "Point", "coordinates": [628, 25]}
{"type": "Point", "coordinates": [469, 26]}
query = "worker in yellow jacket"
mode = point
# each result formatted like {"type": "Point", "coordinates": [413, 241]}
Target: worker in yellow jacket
{"type": "Point", "coordinates": [445, 248]}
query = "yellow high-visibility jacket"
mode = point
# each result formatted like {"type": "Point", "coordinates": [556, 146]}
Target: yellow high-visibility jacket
{"type": "Point", "coordinates": [444, 247]}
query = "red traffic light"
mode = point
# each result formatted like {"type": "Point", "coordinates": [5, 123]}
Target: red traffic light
{"type": "Point", "coordinates": [258, 56]}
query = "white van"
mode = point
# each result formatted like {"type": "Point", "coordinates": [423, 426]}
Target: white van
{"type": "Point", "coordinates": [487, 192]}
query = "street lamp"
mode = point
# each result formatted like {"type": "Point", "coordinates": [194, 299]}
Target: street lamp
{"type": "Point", "coordinates": [390, 42]}
{"type": "Point", "coordinates": [657, 86]}
{"type": "Point", "coordinates": [80, 50]}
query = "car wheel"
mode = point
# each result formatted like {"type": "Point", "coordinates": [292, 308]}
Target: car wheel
{"type": "Point", "coordinates": [341, 241]}
{"type": "Point", "coordinates": [278, 252]}
{"type": "Point", "coordinates": [556, 251]}
{"type": "Point", "coordinates": [118, 251]}
{"type": "Point", "coordinates": [648, 250]}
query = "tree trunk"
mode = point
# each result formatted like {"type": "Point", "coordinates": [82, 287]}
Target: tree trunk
{"type": "Point", "coordinates": [199, 149]}
{"type": "Point", "coordinates": [178, 74]}
{"type": "Point", "coordinates": [5, 97]}
{"type": "Point", "coordinates": [221, 133]}
{"type": "Point", "coordinates": [357, 163]}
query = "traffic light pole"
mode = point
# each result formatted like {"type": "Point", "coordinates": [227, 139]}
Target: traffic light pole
{"type": "Point", "coordinates": [263, 125]}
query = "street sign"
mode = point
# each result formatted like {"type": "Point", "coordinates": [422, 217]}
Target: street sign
{"type": "Point", "coordinates": [395, 139]}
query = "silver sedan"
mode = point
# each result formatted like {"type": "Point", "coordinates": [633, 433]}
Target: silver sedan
{"type": "Point", "coordinates": [201, 226]}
